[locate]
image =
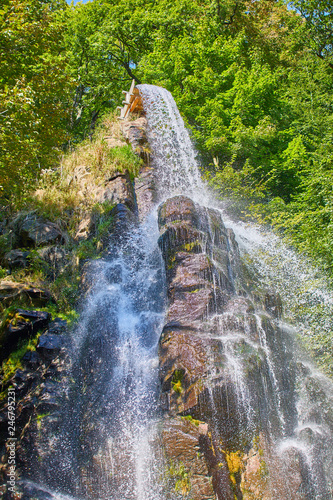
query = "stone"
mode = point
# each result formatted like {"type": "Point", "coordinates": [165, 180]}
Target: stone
{"type": "Point", "coordinates": [178, 209]}
{"type": "Point", "coordinates": [57, 326]}
{"type": "Point", "coordinates": [123, 217]}
{"type": "Point", "coordinates": [10, 291]}
{"type": "Point", "coordinates": [31, 359]}
{"type": "Point", "coordinates": [55, 258]}
{"type": "Point", "coordinates": [185, 353]}
{"type": "Point", "coordinates": [182, 440]}
{"type": "Point", "coordinates": [273, 304]}
{"type": "Point", "coordinates": [38, 319]}
{"type": "Point", "coordinates": [49, 345]}
{"type": "Point", "coordinates": [35, 231]}
{"type": "Point", "coordinates": [117, 190]}
{"type": "Point", "coordinates": [145, 191]}
{"type": "Point", "coordinates": [15, 259]}
{"type": "Point", "coordinates": [85, 228]}
{"type": "Point", "coordinates": [24, 325]}
{"type": "Point", "coordinates": [135, 133]}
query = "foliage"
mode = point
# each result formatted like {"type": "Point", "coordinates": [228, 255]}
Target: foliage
{"type": "Point", "coordinates": [34, 91]}
{"type": "Point", "coordinates": [14, 361]}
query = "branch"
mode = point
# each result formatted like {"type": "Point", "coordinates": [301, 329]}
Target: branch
{"type": "Point", "coordinates": [324, 59]}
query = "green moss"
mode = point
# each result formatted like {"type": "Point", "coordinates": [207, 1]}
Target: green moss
{"type": "Point", "coordinates": [14, 362]}
{"type": "Point", "coordinates": [179, 477]}
{"type": "Point", "coordinates": [193, 246]}
{"type": "Point", "coordinates": [192, 420]}
{"type": "Point", "coordinates": [176, 381]}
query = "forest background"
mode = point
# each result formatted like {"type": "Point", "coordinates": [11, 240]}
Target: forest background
{"type": "Point", "coordinates": [253, 80]}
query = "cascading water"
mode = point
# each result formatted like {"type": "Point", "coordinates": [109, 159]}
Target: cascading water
{"type": "Point", "coordinates": [104, 448]}
{"type": "Point", "coordinates": [293, 424]}
{"type": "Point", "coordinates": [259, 392]}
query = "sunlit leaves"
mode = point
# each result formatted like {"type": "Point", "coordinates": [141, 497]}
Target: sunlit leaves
{"type": "Point", "coordinates": [34, 91]}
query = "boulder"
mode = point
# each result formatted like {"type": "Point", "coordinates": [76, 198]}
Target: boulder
{"type": "Point", "coordinates": [36, 231]}
{"type": "Point", "coordinates": [57, 326]}
{"type": "Point", "coordinates": [117, 190]}
{"type": "Point", "coordinates": [49, 345]}
{"type": "Point", "coordinates": [24, 325]}
{"type": "Point", "coordinates": [55, 258]}
{"type": "Point", "coordinates": [16, 258]}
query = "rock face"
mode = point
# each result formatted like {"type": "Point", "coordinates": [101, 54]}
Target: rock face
{"type": "Point", "coordinates": [220, 361]}
{"type": "Point", "coordinates": [197, 289]}
{"type": "Point", "coordinates": [15, 259]}
{"type": "Point", "coordinates": [135, 133]}
{"type": "Point", "coordinates": [24, 325]}
{"type": "Point", "coordinates": [40, 392]}
{"type": "Point", "coordinates": [35, 231]}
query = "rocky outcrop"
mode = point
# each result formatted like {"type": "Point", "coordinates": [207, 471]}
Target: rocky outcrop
{"type": "Point", "coordinates": [34, 231]}
{"type": "Point", "coordinates": [40, 393]}
{"type": "Point", "coordinates": [22, 326]}
{"type": "Point", "coordinates": [135, 133]}
{"type": "Point", "coordinates": [197, 289]}
{"type": "Point", "coordinates": [222, 358]}
{"type": "Point", "coordinates": [16, 259]}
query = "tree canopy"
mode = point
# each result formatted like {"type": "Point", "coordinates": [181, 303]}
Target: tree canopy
{"type": "Point", "coordinates": [252, 78]}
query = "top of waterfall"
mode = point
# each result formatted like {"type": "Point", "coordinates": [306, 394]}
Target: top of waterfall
{"type": "Point", "coordinates": [173, 155]}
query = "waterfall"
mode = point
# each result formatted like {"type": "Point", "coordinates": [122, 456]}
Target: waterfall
{"type": "Point", "coordinates": [235, 383]}
{"type": "Point", "coordinates": [294, 425]}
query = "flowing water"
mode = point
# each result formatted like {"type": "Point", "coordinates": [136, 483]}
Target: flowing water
{"type": "Point", "coordinates": [113, 411]}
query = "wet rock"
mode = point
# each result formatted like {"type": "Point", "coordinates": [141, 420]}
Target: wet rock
{"type": "Point", "coordinates": [186, 462]}
{"type": "Point", "coordinates": [57, 326]}
{"type": "Point", "coordinates": [114, 274]}
{"type": "Point", "coordinates": [49, 345]}
{"type": "Point", "coordinates": [145, 191]}
{"type": "Point", "coordinates": [181, 237]}
{"type": "Point", "coordinates": [39, 319]}
{"type": "Point", "coordinates": [178, 209]}
{"type": "Point", "coordinates": [198, 287]}
{"type": "Point", "coordinates": [123, 218]}
{"type": "Point", "coordinates": [184, 363]}
{"type": "Point", "coordinates": [31, 360]}
{"type": "Point", "coordinates": [273, 304]}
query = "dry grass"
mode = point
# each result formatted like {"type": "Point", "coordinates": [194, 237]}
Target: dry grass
{"type": "Point", "coordinates": [70, 191]}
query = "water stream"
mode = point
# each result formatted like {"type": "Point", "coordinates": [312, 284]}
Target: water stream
{"type": "Point", "coordinates": [114, 412]}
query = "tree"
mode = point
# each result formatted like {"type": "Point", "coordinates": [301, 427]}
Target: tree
{"type": "Point", "coordinates": [34, 91]}
{"type": "Point", "coordinates": [318, 15]}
